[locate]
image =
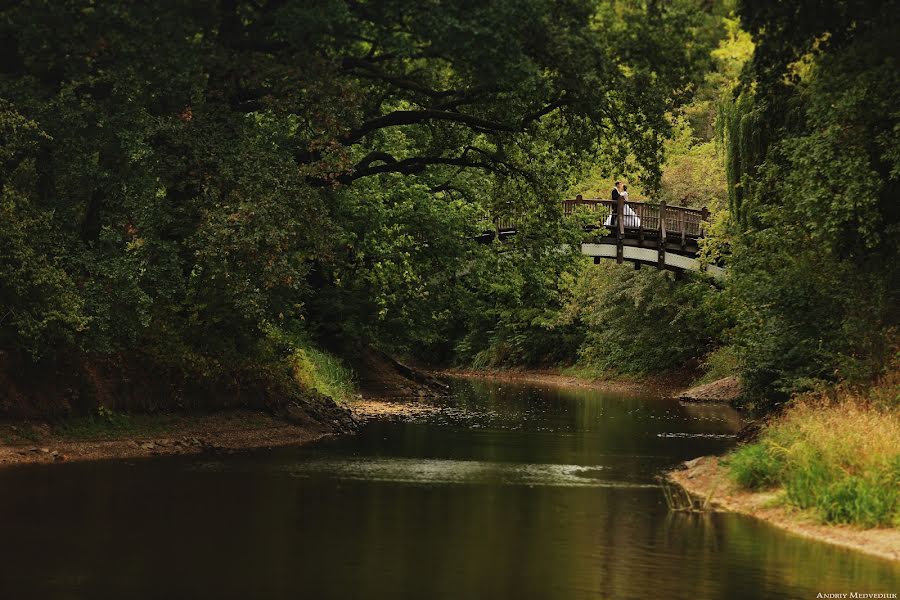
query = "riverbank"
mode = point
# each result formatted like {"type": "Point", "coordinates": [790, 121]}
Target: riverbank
{"type": "Point", "coordinates": [707, 481]}
{"type": "Point", "coordinates": [106, 434]}
{"type": "Point", "coordinates": [663, 385]}
{"type": "Point", "coordinates": [139, 436]}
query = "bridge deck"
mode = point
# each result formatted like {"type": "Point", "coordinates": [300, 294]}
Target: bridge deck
{"type": "Point", "coordinates": [672, 233]}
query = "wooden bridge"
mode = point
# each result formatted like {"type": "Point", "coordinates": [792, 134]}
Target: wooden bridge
{"type": "Point", "coordinates": [666, 237]}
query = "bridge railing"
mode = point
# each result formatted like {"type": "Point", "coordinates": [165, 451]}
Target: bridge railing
{"type": "Point", "coordinates": [643, 216]}
{"type": "Point", "coordinates": [639, 219]}
{"type": "Point", "coordinates": [504, 224]}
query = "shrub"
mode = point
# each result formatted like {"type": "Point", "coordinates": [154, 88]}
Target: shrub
{"type": "Point", "coordinates": [755, 467]}
{"type": "Point", "coordinates": [646, 322]}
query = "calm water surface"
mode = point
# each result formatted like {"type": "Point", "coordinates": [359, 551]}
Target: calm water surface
{"type": "Point", "coordinates": [513, 492]}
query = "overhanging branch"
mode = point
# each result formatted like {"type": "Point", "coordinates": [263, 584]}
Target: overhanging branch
{"type": "Point", "coordinates": [409, 166]}
{"type": "Point", "coordinates": [412, 117]}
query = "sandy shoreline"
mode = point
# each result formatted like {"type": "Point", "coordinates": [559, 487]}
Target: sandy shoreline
{"type": "Point", "coordinates": [217, 432]}
{"type": "Point", "coordinates": [705, 479]}
{"type": "Point", "coordinates": [663, 386]}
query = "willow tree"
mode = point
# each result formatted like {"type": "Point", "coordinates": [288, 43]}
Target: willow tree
{"type": "Point", "coordinates": [814, 167]}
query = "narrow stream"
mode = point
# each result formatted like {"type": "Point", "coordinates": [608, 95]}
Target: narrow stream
{"type": "Point", "coordinates": [515, 491]}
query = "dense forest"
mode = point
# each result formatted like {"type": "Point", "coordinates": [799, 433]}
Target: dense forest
{"type": "Point", "coordinates": [199, 199]}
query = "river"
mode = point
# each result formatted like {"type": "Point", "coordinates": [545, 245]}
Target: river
{"type": "Point", "coordinates": [513, 491]}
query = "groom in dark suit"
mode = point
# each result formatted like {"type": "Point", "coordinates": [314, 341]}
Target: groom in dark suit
{"type": "Point", "coordinates": [615, 198]}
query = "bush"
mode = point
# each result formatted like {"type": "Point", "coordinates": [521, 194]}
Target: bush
{"type": "Point", "coordinates": [755, 467]}
{"type": "Point", "coordinates": [645, 322]}
{"type": "Point", "coordinates": [869, 501]}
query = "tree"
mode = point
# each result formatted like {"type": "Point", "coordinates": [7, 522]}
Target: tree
{"type": "Point", "coordinates": [195, 182]}
{"type": "Point", "coordinates": [813, 168]}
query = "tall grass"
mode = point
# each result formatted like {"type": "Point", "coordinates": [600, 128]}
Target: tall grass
{"type": "Point", "coordinates": [323, 372]}
{"type": "Point", "coordinates": [838, 456]}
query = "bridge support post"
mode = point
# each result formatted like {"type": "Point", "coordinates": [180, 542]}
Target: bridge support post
{"type": "Point", "coordinates": [620, 230]}
{"type": "Point", "coordinates": [661, 239]}
{"type": "Point", "coordinates": [641, 216]}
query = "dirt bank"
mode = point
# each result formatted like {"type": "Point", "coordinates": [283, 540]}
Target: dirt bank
{"type": "Point", "coordinates": [705, 478]}
{"type": "Point", "coordinates": [24, 442]}
{"type": "Point", "coordinates": [662, 385]}
{"type": "Point", "coordinates": [110, 434]}
{"type": "Point", "coordinates": [29, 442]}
{"type": "Point", "coordinates": [726, 390]}
{"type": "Point", "coordinates": [382, 376]}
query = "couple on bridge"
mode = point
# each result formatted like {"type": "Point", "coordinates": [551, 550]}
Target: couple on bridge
{"type": "Point", "coordinates": [630, 217]}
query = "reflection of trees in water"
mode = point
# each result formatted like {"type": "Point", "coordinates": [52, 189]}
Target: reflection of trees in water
{"type": "Point", "coordinates": [335, 538]}
{"type": "Point", "coordinates": [592, 423]}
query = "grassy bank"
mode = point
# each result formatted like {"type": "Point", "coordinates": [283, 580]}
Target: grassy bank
{"type": "Point", "coordinates": [327, 374]}
{"type": "Point", "coordinates": [836, 455]}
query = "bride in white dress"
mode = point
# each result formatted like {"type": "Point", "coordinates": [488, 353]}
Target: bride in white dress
{"type": "Point", "coordinates": [631, 218]}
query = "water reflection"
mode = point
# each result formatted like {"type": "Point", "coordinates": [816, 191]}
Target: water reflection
{"type": "Point", "coordinates": [441, 471]}
{"type": "Point", "coordinates": [512, 492]}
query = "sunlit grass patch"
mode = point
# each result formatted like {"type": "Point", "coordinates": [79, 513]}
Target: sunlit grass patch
{"type": "Point", "coordinates": [756, 466]}
{"type": "Point", "coordinates": [839, 458]}
{"type": "Point", "coordinates": [323, 372]}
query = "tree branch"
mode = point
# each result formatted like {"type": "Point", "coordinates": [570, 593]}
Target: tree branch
{"type": "Point", "coordinates": [371, 71]}
{"type": "Point", "coordinates": [540, 114]}
{"type": "Point", "coordinates": [409, 166]}
{"type": "Point", "coordinates": [411, 117]}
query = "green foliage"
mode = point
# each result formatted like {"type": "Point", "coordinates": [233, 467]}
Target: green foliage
{"type": "Point", "coordinates": [721, 362]}
{"type": "Point", "coordinates": [39, 305]}
{"type": "Point", "coordinates": [870, 501]}
{"type": "Point", "coordinates": [695, 177]}
{"type": "Point", "coordinates": [755, 466]}
{"type": "Point", "coordinates": [196, 184]}
{"type": "Point", "coordinates": [734, 50]}
{"type": "Point", "coordinates": [694, 171]}
{"type": "Point", "coordinates": [514, 305]}
{"type": "Point", "coordinates": [812, 164]}
{"type": "Point", "coordinates": [745, 135]}
{"type": "Point", "coordinates": [839, 460]}
{"type": "Point", "coordinates": [643, 322]}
